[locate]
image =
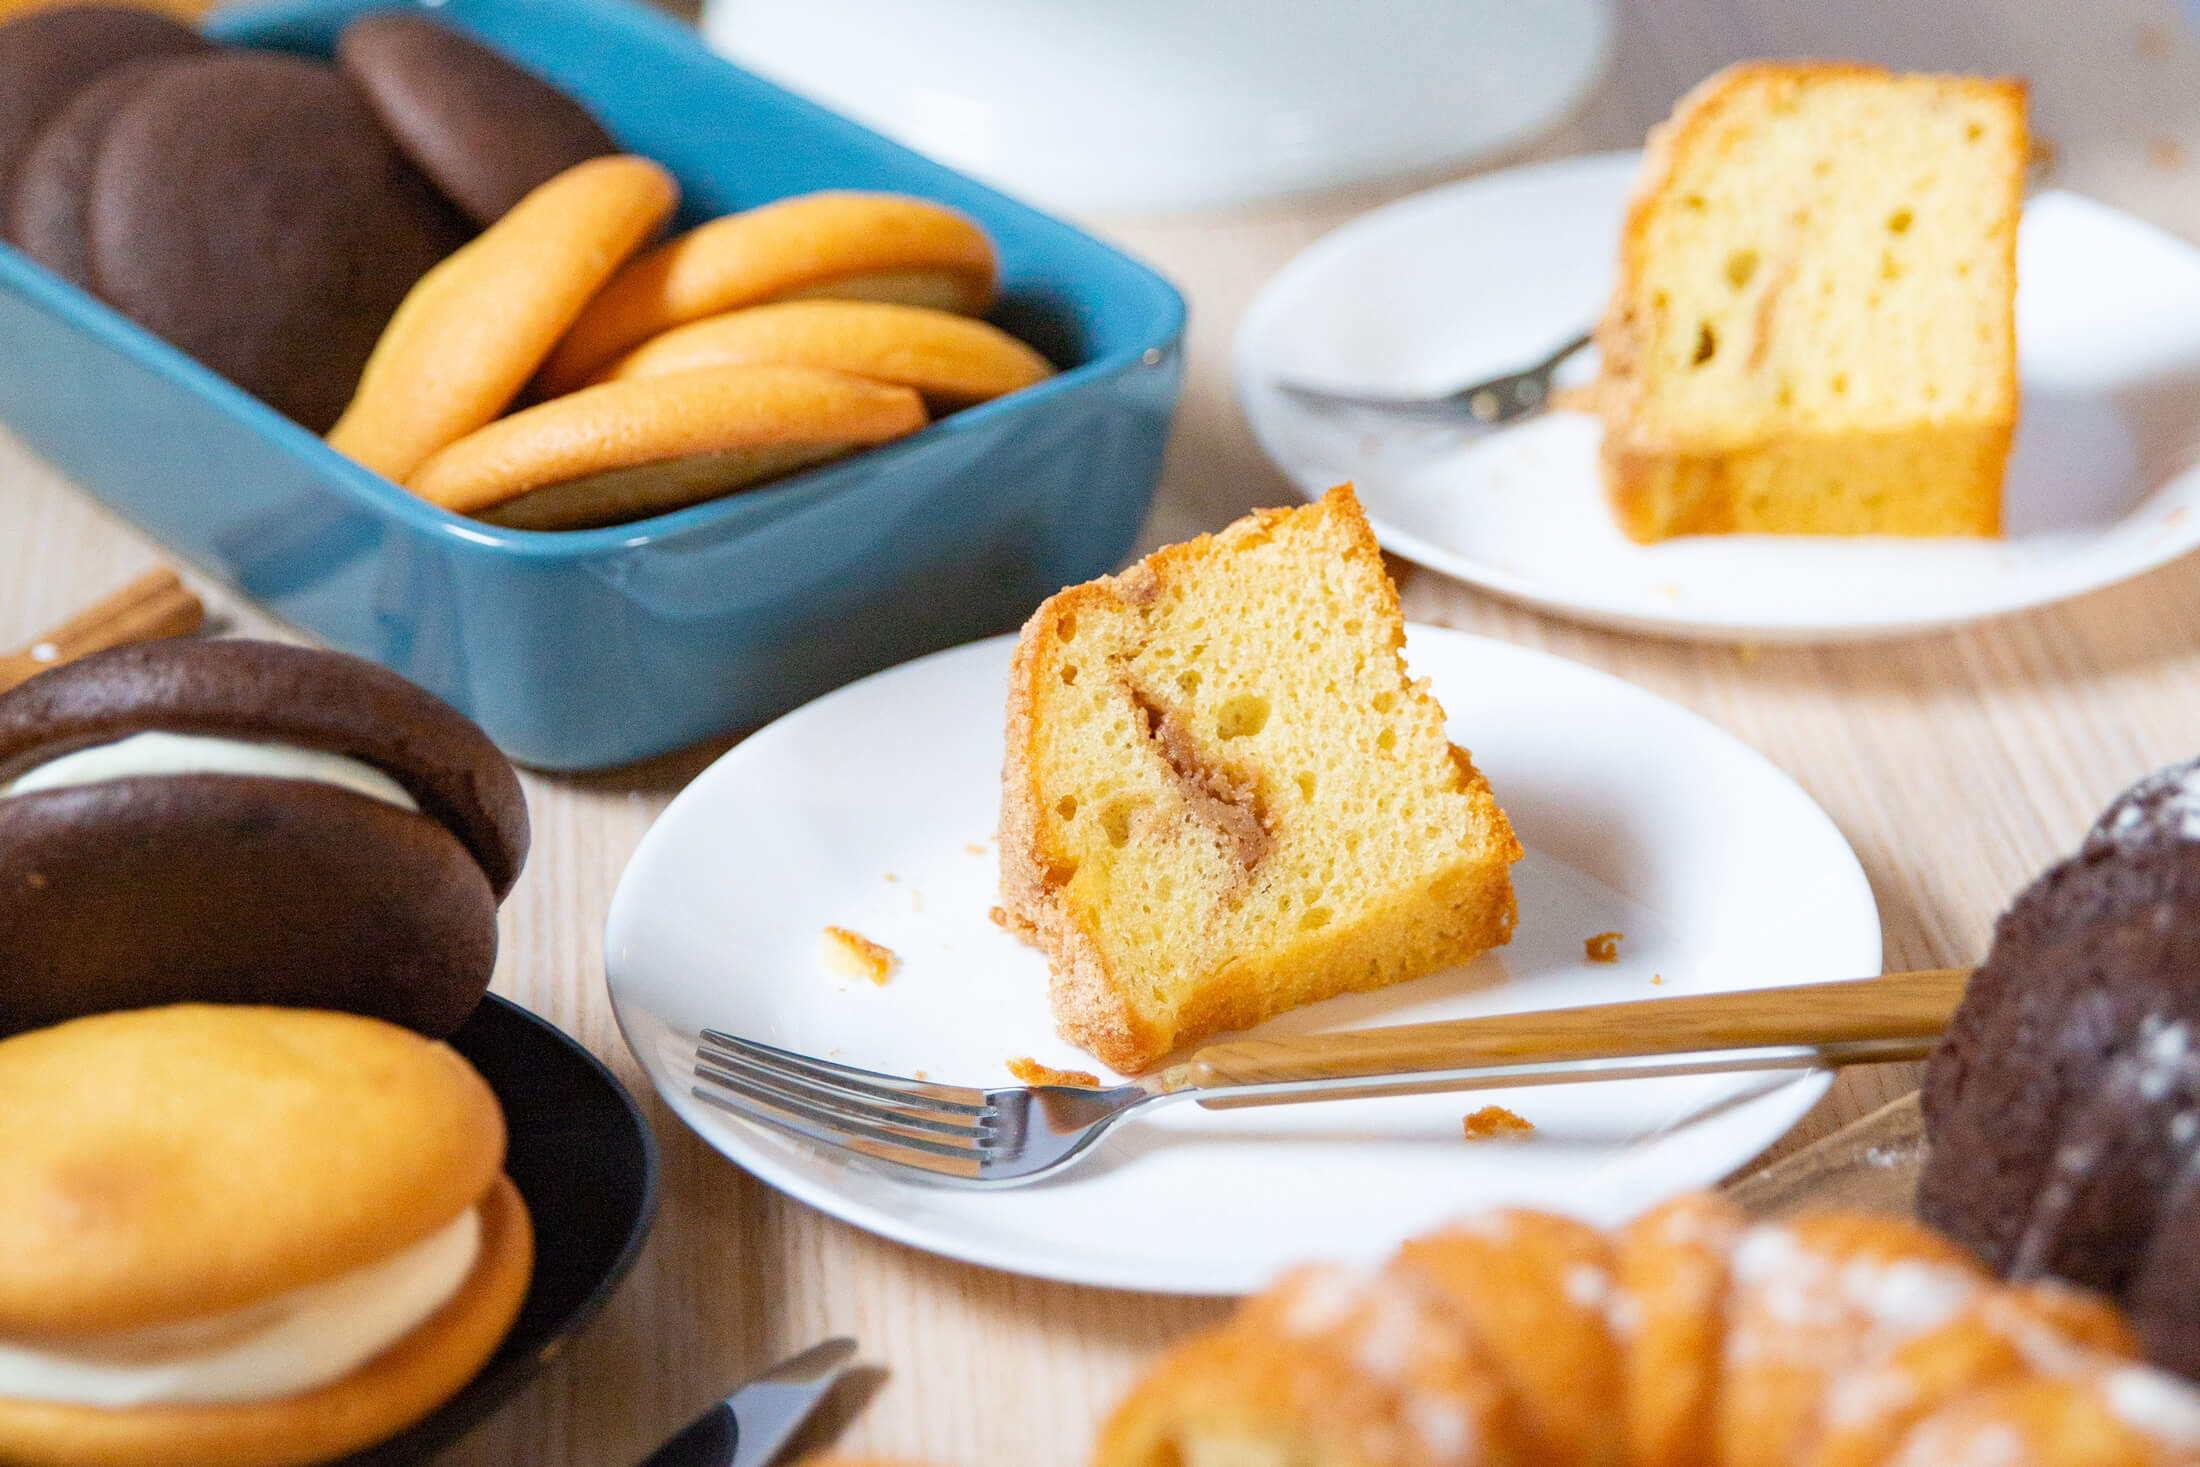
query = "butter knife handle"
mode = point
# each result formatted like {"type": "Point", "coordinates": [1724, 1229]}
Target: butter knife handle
{"type": "Point", "coordinates": [1861, 1011]}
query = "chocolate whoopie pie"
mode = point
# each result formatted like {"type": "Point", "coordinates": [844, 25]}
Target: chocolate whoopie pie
{"type": "Point", "coordinates": [46, 57]}
{"type": "Point", "coordinates": [248, 208]}
{"type": "Point", "coordinates": [248, 822]}
{"type": "Point", "coordinates": [486, 131]}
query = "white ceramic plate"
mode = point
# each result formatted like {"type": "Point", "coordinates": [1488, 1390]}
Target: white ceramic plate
{"type": "Point", "coordinates": [874, 809]}
{"type": "Point", "coordinates": [1476, 278]}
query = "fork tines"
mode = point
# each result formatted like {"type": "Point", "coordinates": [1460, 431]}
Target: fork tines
{"type": "Point", "coordinates": [940, 1128]}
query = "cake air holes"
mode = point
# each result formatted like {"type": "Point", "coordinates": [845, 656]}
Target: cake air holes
{"type": "Point", "coordinates": [1241, 716]}
{"type": "Point", "coordinates": [1707, 344]}
{"type": "Point", "coordinates": [1066, 807]}
{"type": "Point", "coordinates": [1740, 266]}
{"type": "Point", "coordinates": [1306, 786]}
{"type": "Point", "coordinates": [1314, 918]}
{"type": "Point", "coordinates": [1116, 821]}
{"type": "Point", "coordinates": [1066, 627]}
{"type": "Point", "coordinates": [1069, 672]}
{"type": "Point", "coordinates": [1188, 682]}
{"type": "Point", "coordinates": [1387, 740]}
{"type": "Point", "coordinates": [1899, 221]}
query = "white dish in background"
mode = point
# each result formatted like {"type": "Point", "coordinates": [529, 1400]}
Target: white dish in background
{"type": "Point", "coordinates": [1160, 104]}
{"type": "Point", "coordinates": [874, 809]}
{"type": "Point", "coordinates": [1479, 277]}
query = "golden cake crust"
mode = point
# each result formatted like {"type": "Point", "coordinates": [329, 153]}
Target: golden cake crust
{"type": "Point", "coordinates": [389, 1393]}
{"type": "Point", "coordinates": [174, 1163]}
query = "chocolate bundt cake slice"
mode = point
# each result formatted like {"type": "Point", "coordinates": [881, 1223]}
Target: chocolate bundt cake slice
{"type": "Point", "coordinates": [2064, 1103]}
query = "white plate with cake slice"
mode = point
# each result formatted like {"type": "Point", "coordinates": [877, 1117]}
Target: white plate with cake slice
{"type": "Point", "coordinates": [874, 809]}
{"type": "Point", "coordinates": [1480, 277]}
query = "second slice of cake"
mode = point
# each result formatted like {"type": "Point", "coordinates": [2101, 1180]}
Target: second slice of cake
{"type": "Point", "coordinates": [1223, 798]}
{"type": "Point", "coordinates": [1814, 329]}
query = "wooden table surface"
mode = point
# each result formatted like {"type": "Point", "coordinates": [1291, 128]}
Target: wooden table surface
{"type": "Point", "coordinates": [1956, 764]}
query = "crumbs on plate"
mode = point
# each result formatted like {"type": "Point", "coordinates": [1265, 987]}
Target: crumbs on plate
{"type": "Point", "coordinates": [1604, 947]}
{"type": "Point", "coordinates": [1031, 1072]}
{"type": "Point", "coordinates": [1495, 1123]}
{"type": "Point", "coordinates": [852, 955]}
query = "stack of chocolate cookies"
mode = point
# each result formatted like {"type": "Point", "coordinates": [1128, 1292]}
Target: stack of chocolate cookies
{"type": "Point", "coordinates": [265, 213]}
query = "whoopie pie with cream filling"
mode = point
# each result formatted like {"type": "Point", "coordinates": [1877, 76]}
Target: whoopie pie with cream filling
{"type": "Point", "coordinates": [248, 822]}
{"type": "Point", "coordinates": [244, 1237]}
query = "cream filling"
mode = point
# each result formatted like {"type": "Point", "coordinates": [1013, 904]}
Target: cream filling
{"type": "Point", "coordinates": [293, 1343]}
{"type": "Point", "coordinates": [171, 753]}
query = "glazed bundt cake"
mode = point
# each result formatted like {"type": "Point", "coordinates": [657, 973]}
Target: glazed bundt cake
{"type": "Point", "coordinates": [1814, 330]}
{"type": "Point", "coordinates": [2063, 1105]}
{"type": "Point", "coordinates": [1224, 798]}
{"type": "Point", "coordinates": [1691, 1338]}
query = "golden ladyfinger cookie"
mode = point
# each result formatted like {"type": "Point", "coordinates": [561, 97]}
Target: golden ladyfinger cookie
{"type": "Point", "coordinates": [849, 246]}
{"type": "Point", "coordinates": [475, 328]}
{"type": "Point", "coordinates": [389, 1393]}
{"type": "Point", "coordinates": [644, 446]}
{"type": "Point", "coordinates": [953, 360]}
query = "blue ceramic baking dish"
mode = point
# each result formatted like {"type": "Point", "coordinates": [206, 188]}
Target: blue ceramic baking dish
{"type": "Point", "coordinates": [593, 648]}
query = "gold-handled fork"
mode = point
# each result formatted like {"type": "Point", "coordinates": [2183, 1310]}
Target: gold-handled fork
{"type": "Point", "coordinates": [1009, 1137]}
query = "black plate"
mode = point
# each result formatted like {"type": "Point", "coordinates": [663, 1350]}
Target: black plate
{"type": "Point", "coordinates": [583, 1157]}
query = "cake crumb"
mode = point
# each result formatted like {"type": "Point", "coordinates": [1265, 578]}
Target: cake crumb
{"type": "Point", "coordinates": [1603, 948]}
{"type": "Point", "coordinates": [974, 848]}
{"type": "Point", "coordinates": [1657, 977]}
{"type": "Point", "coordinates": [2166, 153]}
{"type": "Point", "coordinates": [890, 876]}
{"type": "Point", "coordinates": [1031, 1072]}
{"type": "Point", "coordinates": [999, 916]}
{"type": "Point", "coordinates": [852, 955]}
{"type": "Point", "coordinates": [1494, 1122]}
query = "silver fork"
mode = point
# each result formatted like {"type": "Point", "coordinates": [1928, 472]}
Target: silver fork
{"type": "Point", "coordinates": [1008, 1137]}
{"type": "Point", "coordinates": [1500, 399]}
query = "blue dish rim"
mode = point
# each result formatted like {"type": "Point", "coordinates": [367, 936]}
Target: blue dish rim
{"type": "Point", "coordinates": [87, 313]}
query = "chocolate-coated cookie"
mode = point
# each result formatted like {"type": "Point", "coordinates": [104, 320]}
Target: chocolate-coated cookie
{"type": "Point", "coordinates": [48, 55]}
{"type": "Point", "coordinates": [52, 184]}
{"type": "Point", "coordinates": [244, 822]}
{"type": "Point", "coordinates": [211, 888]}
{"type": "Point", "coordinates": [485, 130]}
{"type": "Point", "coordinates": [274, 692]}
{"type": "Point", "coordinates": [248, 208]}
